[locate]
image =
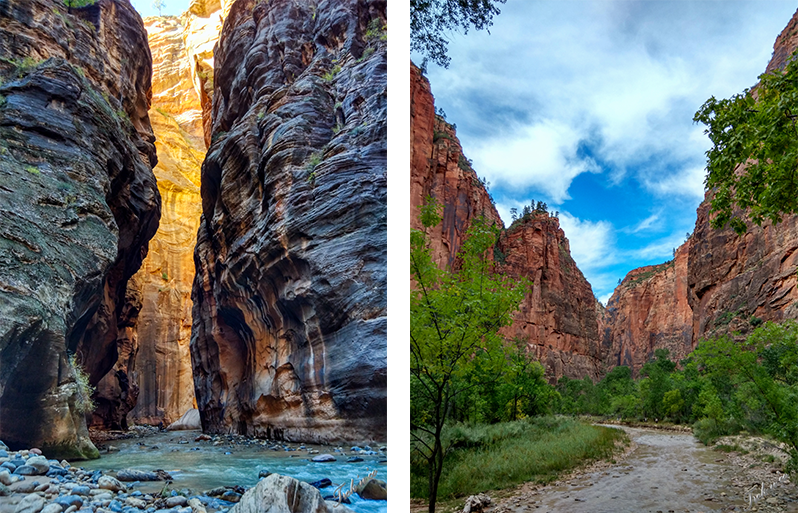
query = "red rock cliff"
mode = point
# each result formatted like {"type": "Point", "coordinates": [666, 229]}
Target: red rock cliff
{"type": "Point", "coordinates": [78, 204]}
{"type": "Point", "coordinates": [558, 319]}
{"type": "Point", "coordinates": [649, 310]}
{"type": "Point", "coordinates": [289, 330]}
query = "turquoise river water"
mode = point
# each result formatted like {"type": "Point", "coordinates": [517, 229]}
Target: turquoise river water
{"type": "Point", "coordinates": [200, 466]}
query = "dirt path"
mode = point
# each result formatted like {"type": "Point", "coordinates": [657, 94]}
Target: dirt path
{"type": "Point", "coordinates": [666, 472]}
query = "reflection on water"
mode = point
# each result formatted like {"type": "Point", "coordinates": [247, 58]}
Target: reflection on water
{"type": "Point", "coordinates": [200, 466]}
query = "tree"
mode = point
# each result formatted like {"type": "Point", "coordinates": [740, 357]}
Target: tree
{"type": "Point", "coordinates": [455, 317]}
{"type": "Point", "coordinates": [158, 5]}
{"type": "Point", "coordinates": [753, 163]}
{"type": "Point", "coordinates": [431, 19]}
{"type": "Point", "coordinates": [763, 373]}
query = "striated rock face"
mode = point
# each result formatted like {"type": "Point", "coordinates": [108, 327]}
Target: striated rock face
{"type": "Point", "coordinates": [289, 333]}
{"type": "Point", "coordinates": [649, 310]}
{"type": "Point", "coordinates": [440, 170]}
{"type": "Point", "coordinates": [78, 203]}
{"type": "Point", "coordinates": [558, 320]}
{"type": "Point", "coordinates": [736, 282]}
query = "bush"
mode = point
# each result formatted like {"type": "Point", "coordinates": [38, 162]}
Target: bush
{"type": "Point", "coordinates": [708, 430]}
{"type": "Point", "coordinates": [83, 402]}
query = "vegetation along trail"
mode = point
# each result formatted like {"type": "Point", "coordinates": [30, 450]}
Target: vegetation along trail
{"type": "Point", "coordinates": [666, 472]}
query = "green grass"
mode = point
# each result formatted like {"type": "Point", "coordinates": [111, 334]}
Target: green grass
{"type": "Point", "coordinates": [330, 75]}
{"type": "Point", "coordinates": [730, 448]}
{"type": "Point", "coordinates": [493, 457]}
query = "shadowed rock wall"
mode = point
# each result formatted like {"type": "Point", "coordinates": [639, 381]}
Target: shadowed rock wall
{"type": "Point", "coordinates": [289, 298]}
{"type": "Point", "coordinates": [78, 203]}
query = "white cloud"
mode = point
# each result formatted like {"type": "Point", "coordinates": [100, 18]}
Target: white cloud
{"type": "Point", "coordinates": [592, 243]}
{"type": "Point", "coordinates": [539, 156]}
{"type": "Point", "coordinates": [624, 76]}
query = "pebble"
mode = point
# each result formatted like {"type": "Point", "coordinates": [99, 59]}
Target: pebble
{"type": "Point", "coordinates": [111, 483]}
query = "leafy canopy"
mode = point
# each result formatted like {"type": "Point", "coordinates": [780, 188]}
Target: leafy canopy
{"type": "Point", "coordinates": [753, 163]}
{"type": "Point", "coordinates": [431, 19]}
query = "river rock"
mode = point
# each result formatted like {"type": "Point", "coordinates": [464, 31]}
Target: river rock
{"type": "Point", "coordinates": [372, 489]}
{"type": "Point", "coordinates": [136, 475]}
{"type": "Point", "coordinates": [26, 470]}
{"type": "Point", "coordinates": [354, 459]}
{"type": "Point", "coordinates": [323, 458]}
{"type": "Point", "coordinates": [230, 496]}
{"type": "Point", "coordinates": [322, 483]}
{"type": "Point", "coordinates": [189, 420]}
{"type": "Point", "coordinates": [4, 490]}
{"type": "Point", "coordinates": [69, 500]}
{"type": "Point", "coordinates": [177, 500]}
{"type": "Point", "coordinates": [111, 483]}
{"type": "Point", "coordinates": [476, 503]}
{"type": "Point", "coordinates": [264, 473]}
{"type": "Point", "coordinates": [279, 493]}
{"type": "Point", "coordinates": [31, 503]}
{"type": "Point", "coordinates": [53, 508]}
{"type": "Point", "coordinates": [27, 487]}
{"type": "Point", "coordinates": [40, 463]}
{"type": "Point", "coordinates": [5, 478]}
{"type": "Point", "coordinates": [136, 503]}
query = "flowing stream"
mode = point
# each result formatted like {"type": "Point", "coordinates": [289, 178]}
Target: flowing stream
{"type": "Point", "coordinates": [200, 466]}
{"type": "Point", "coordinates": [667, 472]}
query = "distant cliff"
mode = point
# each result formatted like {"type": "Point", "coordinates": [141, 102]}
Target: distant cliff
{"type": "Point", "coordinates": [78, 205]}
{"type": "Point", "coordinates": [289, 329]}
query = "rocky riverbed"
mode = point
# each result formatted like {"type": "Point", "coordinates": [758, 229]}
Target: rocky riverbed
{"type": "Point", "coordinates": [189, 472]}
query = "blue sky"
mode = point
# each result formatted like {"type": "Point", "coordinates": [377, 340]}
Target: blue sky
{"type": "Point", "coordinates": [170, 7]}
{"type": "Point", "coordinates": [588, 106]}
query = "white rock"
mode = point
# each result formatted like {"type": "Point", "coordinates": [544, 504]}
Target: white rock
{"type": "Point", "coordinates": [189, 420]}
{"type": "Point", "coordinates": [53, 508]}
{"type": "Point", "coordinates": [136, 503]}
{"type": "Point", "coordinates": [31, 503]}
{"type": "Point", "coordinates": [177, 500]}
{"type": "Point", "coordinates": [111, 483]}
{"type": "Point", "coordinates": [196, 506]}
{"type": "Point", "coordinates": [283, 494]}
{"type": "Point", "coordinates": [5, 477]}
{"type": "Point", "coordinates": [40, 463]}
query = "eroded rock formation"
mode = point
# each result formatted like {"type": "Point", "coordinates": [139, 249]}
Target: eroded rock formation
{"type": "Point", "coordinates": [78, 204]}
{"type": "Point", "coordinates": [289, 334]}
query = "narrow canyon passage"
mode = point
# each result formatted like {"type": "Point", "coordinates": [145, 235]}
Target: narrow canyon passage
{"type": "Point", "coordinates": [666, 472]}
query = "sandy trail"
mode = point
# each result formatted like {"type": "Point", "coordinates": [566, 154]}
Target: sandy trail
{"type": "Point", "coordinates": [667, 472]}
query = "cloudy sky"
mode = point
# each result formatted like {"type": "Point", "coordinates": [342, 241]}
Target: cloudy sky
{"type": "Point", "coordinates": [588, 106]}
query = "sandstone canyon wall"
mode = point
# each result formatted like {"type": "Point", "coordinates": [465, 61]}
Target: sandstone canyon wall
{"type": "Point", "coordinates": [151, 382]}
{"type": "Point", "coordinates": [558, 319]}
{"type": "Point", "coordinates": [78, 204]}
{"type": "Point", "coordinates": [649, 310]}
{"type": "Point", "coordinates": [289, 333]}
